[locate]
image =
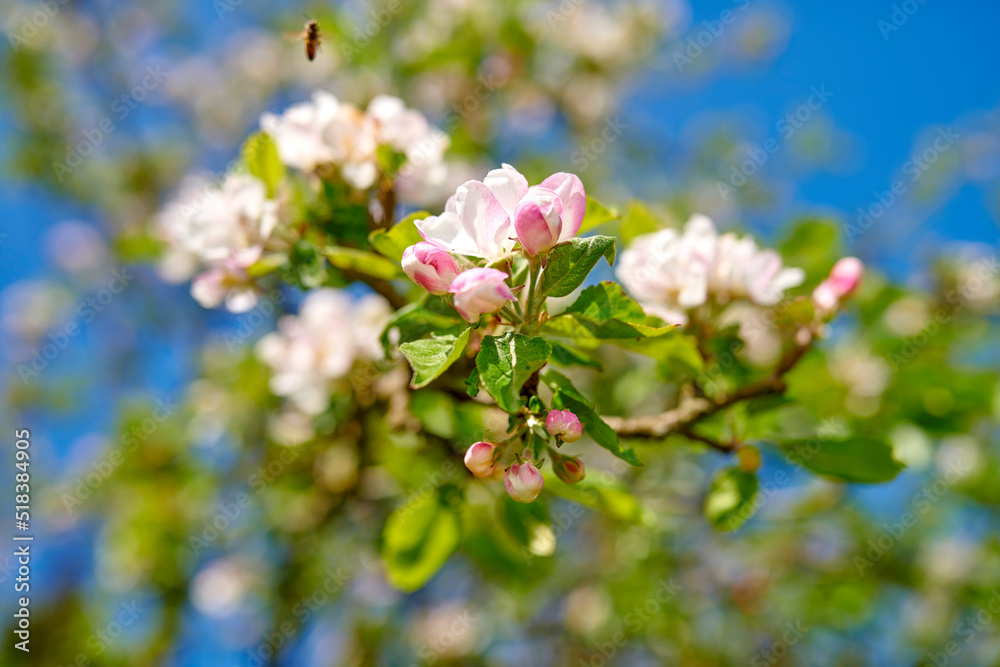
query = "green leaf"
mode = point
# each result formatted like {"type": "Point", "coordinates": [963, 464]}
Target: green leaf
{"type": "Point", "coordinates": [305, 267]}
{"type": "Point", "coordinates": [610, 499]}
{"type": "Point", "coordinates": [430, 357]}
{"type": "Point", "coordinates": [565, 355]}
{"type": "Point", "coordinates": [597, 214]}
{"type": "Point", "coordinates": [638, 220]}
{"type": "Point", "coordinates": [472, 383]}
{"type": "Point", "coordinates": [364, 262]}
{"type": "Point", "coordinates": [261, 157]}
{"type": "Point", "coordinates": [527, 524]}
{"type": "Point", "coordinates": [418, 539]}
{"type": "Point", "coordinates": [859, 459]}
{"type": "Point", "coordinates": [813, 245]}
{"type": "Point", "coordinates": [267, 264]}
{"type": "Point", "coordinates": [676, 352]}
{"type": "Point", "coordinates": [603, 311]}
{"type": "Point", "coordinates": [505, 363]}
{"type": "Point", "coordinates": [570, 263]}
{"type": "Point", "coordinates": [415, 320]}
{"type": "Point", "coordinates": [730, 499]}
{"type": "Point", "coordinates": [393, 241]}
{"type": "Point", "coordinates": [567, 397]}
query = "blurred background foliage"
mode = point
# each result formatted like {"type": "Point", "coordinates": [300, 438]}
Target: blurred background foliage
{"type": "Point", "coordinates": [173, 529]}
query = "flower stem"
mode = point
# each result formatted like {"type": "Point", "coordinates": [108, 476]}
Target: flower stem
{"type": "Point", "coordinates": [531, 316]}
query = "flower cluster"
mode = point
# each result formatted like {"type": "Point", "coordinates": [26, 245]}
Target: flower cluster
{"type": "Point", "coordinates": [219, 228]}
{"type": "Point", "coordinates": [672, 273]}
{"type": "Point", "coordinates": [315, 349]}
{"type": "Point", "coordinates": [326, 136]}
{"type": "Point", "coordinates": [223, 229]}
{"type": "Point", "coordinates": [522, 480]}
{"type": "Point", "coordinates": [483, 222]}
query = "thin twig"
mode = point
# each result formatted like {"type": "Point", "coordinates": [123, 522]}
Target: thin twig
{"type": "Point", "coordinates": [695, 408]}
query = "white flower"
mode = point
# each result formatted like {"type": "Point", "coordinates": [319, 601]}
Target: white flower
{"type": "Point", "coordinates": [223, 229]}
{"type": "Point", "coordinates": [671, 273]}
{"type": "Point", "coordinates": [327, 133]}
{"type": "Point", "coordinates": [477, 220]}
{"type": "Point", "coordinates": [314, 349]}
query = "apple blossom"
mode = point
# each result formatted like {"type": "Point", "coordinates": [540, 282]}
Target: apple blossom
{"type": "Point", "coordinates": [844, 278]}
{"type": "Point", "coordinates": [227, 284]}
{"type": "Point", "coordinates": [430, 267]}
{"type": "Point", "coordinates": [570, 190]}
{"type": "Point", "coordinates": [324, 133]}
{"type": "Point", "coordinates": [523, 482]}
{"type": "Point", "coordinates": [670, 273]}
{"type": "Point", "coordinates": [479, 291]}
{"type": "Point", "coordinates": [224, 229]}
{"type": "Point", "coordinates": [564, 425]}
{"type": "Point", "coordinates": [478, 218]}
{"type": "Point", "coordinates": [569, 469]}
{"type": "Point", "coordinates": [482, 459]}
{"type": "Point", "coordinates": [312, 350]}
{"type": "Point", "coordinates": [538, 220]}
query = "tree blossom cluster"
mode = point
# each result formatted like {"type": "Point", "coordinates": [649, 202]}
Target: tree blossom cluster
{"type": "Point", "coordinates": [313, 351]}
{"type": "Point", "coordinates": [222, 231]}
{"type": "Point", "coordinates": [217, 230]}
{"type": "Point", "coordinates": [482, 223]}
{"type": "Point", "coordinates": [326, 135]}
{"type": "Point", "coordinates": [672, 273]}
{"type": "Point", "coordinates": [500, 248]}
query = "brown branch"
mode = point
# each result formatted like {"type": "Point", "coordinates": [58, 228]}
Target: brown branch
{"type": "Point", "coordinates": [692, 409]}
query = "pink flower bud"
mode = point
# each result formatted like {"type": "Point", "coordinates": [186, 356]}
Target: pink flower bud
{"type": "Point", "coordinates": [564, 424]}
{"type": "Point", "coordinates": [482, 459]}
{"type": "Point", "coordinates": [523, 482]}
{"type": "Point", "coordinates": [569, 469]}
{"type": "Point", "coordinates": [574, 201]}
{"type": "Point", "coordinates": [846, 275]}
{"type": "Point", "coordinates": [479, 291]}
{"type": "Point", "coordinates": [843, 280]}
{"type": "Point", "coordinates": [538, 220]}
{"type": "Point", "coordinates": [430, 267]}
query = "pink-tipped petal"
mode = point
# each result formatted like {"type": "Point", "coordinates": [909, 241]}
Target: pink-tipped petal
{"type": "Point", "coordinates": [574, 198]}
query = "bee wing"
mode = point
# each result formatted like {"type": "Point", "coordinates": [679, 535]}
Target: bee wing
{"type": "Point", "coordinates": [295, 35]}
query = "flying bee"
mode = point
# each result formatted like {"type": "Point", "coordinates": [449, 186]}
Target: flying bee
{"type": "Point", "coordinates": [310, 36]}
